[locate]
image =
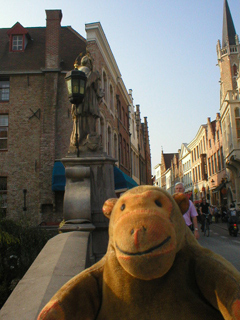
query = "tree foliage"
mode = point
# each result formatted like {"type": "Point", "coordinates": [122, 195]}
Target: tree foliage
{"type": "Point", "coordinates": [19, 246]}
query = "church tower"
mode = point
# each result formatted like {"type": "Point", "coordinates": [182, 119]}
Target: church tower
{"type": "Point", "coordinates": [227, 54]}
{"type": "Point", "coordinates": [228, 61]}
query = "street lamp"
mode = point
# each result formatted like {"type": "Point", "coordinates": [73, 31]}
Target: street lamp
{"type": "Point", "coordinates": [76, 83]}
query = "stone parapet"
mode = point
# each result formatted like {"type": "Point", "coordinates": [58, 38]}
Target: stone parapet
{"type": "Point", "coordinates": [63, 257]}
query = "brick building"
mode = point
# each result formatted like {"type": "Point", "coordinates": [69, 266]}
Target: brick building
{"type": "Point", "coordinates": [215, 161]}
{"type": "Point", "coordinates": [143, 149]}
{"type": "Point", "coordinates": [120, 126]}
{"type": "Point", "coordinates": [199, 165]}
{"type": "Point", "coordinates": [35, 114]}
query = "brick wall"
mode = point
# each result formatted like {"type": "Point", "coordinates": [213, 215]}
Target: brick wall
{"type": "Point", "coordinates": [226, 73]}
{"type": "Point", "coordinates": [21, 161]}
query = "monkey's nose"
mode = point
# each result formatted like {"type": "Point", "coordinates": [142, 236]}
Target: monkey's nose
{"type": "Point", "coordinates": [137, 233]}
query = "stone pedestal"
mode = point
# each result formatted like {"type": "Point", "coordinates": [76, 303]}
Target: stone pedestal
{"type": "Point", "coordinates": [89, 183]}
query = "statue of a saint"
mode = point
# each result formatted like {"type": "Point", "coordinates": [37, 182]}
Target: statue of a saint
{"type": "Point", "coordinates": [85, 114]}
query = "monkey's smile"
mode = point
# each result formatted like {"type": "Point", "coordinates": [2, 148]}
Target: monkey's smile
{"type": "Point", "coordinates": [146, 251]}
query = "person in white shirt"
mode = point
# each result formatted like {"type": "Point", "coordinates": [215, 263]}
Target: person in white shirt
{"type": "Point", "coordinates": [190, 216]}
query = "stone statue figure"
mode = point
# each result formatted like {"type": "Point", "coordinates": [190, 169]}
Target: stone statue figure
{"type": "Point", "coordinates": [86, 114]}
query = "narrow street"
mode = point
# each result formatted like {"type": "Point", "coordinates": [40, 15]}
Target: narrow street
{"type": "Point", "coordinates": [222, 243]}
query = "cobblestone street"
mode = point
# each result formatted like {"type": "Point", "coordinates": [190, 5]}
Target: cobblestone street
{"type": "Point", "coordinates": [222, 243]}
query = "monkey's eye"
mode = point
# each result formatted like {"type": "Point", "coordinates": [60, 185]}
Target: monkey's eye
{"type": "Point", "coordinates": [123, 207]}
{"type": "Point", "coordinates": [158, 203]}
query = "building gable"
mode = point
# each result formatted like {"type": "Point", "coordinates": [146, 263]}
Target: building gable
{"type": "Point", "coordinates": [184, 150]}
{"type": "Point", "coordinates": [17, 29]}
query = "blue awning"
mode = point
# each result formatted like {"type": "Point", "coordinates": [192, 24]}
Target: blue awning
{"type": "Point", "coordinates": [58, 177]}
{"type": "Point", "coordinates": [122, 180]}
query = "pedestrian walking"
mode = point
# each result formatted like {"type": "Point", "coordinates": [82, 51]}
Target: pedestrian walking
{"type": "Point", "coordinates": [190, 216]}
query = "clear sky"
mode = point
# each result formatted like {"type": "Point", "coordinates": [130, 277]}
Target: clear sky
{"type": "Point", "coordinates": [165, 50]}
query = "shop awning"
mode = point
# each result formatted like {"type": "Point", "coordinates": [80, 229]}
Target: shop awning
{"type": "Point", "coordinates": [58, 177]}
{"type": "Point", "coordinates": [218, 188]}
{"type": "Point", "coordinates": [122, 180]}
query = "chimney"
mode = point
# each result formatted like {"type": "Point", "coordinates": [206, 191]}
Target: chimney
{"type": "Point", "coordinates": [53, 29]}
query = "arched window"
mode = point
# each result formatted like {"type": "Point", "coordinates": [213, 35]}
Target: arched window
{"type": "Point", "coordinates": [120, 149]}
{"type": "Point", "coordinates": [109, 143]}
{"type": "Point", "coordinates": [122, 116]}
{"type": "Point", "coordinates": [115, 146]}
{"type": "Point", "coordinates": [237, 117]}
{"type": "Point", "coordinates": [104, 84]}
{"type": "Point", "coordinates": [124, 153]}
{"type": "Point", "coordinates": [111, 99]}
{"type": "Point", "coordinates": [126, 123]}
{"type": "Point", "coordinates": [127, 156]}
{"type": "Point", "coordinates": [235, 70]}
{"type": "Point", "coordinates": [102, 132]}
{"type": "Point", "coordinates": [133, 163]}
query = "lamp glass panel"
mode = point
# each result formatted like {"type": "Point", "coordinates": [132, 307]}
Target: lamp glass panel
{"type": "Point", "coordinates": [69, 86]}
{"type": "Point", "coordinates": [75, 84]}
{"type": "Point", "coordinates": [82, 86]}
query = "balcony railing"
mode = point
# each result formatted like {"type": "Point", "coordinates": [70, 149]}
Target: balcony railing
{"type": "Point", "coordinates": [228, 50]}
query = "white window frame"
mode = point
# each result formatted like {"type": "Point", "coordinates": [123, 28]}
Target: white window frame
{"type": "Point", "coordinates": [3, 131]}
{"type": "Point", "coordinates": [4, 89]}
{"type": "Point", "coordinates": [17, 42]}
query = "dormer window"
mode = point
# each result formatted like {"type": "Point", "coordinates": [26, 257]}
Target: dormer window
{"type": "Point", "coordinates": [18, 38]}
{"type": "Point", "coordinates": [17, 43]}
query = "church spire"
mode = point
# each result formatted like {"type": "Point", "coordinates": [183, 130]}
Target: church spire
{"type": "Point", "coordinates": [228, 31]}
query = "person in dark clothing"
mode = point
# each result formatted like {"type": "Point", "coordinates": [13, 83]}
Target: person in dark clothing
{"type": "Point", "coordinates": [204, 210]}
{"type": "Point", "coordinates": [232, 214]}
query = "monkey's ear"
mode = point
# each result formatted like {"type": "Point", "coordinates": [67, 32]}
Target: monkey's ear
{"type": "Point", "coordinates": [182, 201]}
{"type": "Point", "coordinates": [108, 206]}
